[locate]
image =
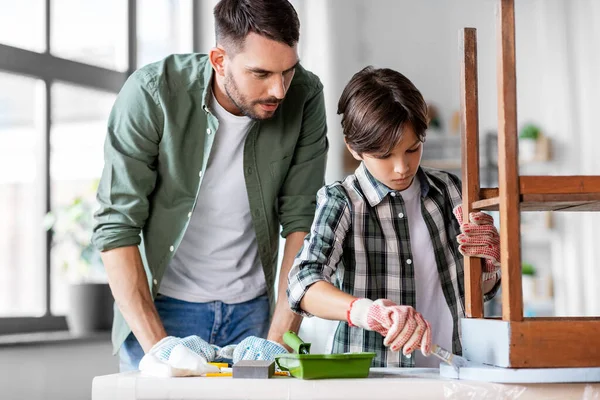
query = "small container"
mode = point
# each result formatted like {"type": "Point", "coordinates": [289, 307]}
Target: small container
{"type": "Point", "coordinates": [322, 366]}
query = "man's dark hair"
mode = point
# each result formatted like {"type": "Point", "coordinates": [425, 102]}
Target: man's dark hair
{"type": "Point", "coordinates": [376, 105]}
{"type": "Point", "coordinates": [273, 19]}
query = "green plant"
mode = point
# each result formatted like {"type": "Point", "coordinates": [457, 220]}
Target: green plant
{"type": "Point", "coordinates": [530, 131]}
{"type": "Point", "coordinates": [71, 225]}
{"type": "Point", "coordinates": [528, 269]}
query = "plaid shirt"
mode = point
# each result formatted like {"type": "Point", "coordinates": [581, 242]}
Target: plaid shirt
{"type": "Point", "coordinates": [357, 244]}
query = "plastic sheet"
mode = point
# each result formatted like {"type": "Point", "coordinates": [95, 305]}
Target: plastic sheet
{"type": "Point", "coordinates": [382, 384]}
{"type": "Point", "coordinates": [591, 393]}
{"type": "Point", "coordinates": [489, 391]}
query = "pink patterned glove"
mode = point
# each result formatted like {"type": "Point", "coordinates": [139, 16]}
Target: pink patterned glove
{"type": "Point", "coordinates": [479, 238]}
{"type": "Point", "coordinates": [402, 326]}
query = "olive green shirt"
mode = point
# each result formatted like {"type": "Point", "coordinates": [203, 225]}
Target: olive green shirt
{"type": "Point", "coordinates": [160, 134]}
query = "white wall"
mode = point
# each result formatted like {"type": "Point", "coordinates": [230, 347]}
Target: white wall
{"type": "Point", "coordinates": [575, 47]}
{"type": "Point", "coordinates": [420, 39]}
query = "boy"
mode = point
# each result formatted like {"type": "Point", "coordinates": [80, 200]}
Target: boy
{"type": "Point", "coordinates": [384, 252]}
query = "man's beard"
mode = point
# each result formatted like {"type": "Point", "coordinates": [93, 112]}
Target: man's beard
{"type": "Point", "coordinates": [246, 107]}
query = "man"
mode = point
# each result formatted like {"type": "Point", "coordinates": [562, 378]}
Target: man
{"type": "Point", "coordinates": [206, 156]}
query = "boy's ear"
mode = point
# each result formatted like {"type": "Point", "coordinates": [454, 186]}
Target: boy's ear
{"type": "Point", "coordinates": [354, 153]}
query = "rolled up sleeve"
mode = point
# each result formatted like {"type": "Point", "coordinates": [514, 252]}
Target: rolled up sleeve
{"type": "Point", "coordinates": [129, 173]}
{"type": "Point", "coordinates": [307, 171]}
{"type": "Point", "coordinates": [322, 248]}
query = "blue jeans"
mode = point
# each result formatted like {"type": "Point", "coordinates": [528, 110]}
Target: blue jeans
{"type": "Point", "coordinates": [216, 322]}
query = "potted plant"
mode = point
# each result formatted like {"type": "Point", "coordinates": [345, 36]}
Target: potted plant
{"type": "Point", "coordinates": [528, 272]}
{"type": "Point", "coordinates": [90, 299]}
{"type": "Point", "coordinates": [528, 137]}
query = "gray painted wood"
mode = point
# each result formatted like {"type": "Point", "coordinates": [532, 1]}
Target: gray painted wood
{"type": "Point", "coordinates": [486, 341]}
{"type": "Point", "coordinates": [488, 373]}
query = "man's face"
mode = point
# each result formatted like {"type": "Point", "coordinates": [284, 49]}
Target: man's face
{"type": "Point", "coordinates": [397, 169]}
{"type": "Point", "coordinates": [258, 76]}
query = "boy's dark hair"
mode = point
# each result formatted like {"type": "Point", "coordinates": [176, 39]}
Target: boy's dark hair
{"type": "Point", "coordinates": [273, 19]}
{"type": "Point", "coordinates": [376, 105]}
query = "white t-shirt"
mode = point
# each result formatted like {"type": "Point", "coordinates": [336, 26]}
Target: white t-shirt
{"type": "Point", "coordinates": [217, 258]}
{"type": "Point", "coordinates": [431, 302]}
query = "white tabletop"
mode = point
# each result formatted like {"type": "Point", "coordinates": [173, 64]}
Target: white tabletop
{"type": "Point", "coordinates": [383, 383]}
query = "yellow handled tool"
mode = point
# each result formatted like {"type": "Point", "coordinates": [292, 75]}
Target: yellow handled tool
{"type": "Point", "coordinates": [223, 374]}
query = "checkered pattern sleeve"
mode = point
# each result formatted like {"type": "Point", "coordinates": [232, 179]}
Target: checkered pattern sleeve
{"type": "Point", "coordinates": [322, 248]}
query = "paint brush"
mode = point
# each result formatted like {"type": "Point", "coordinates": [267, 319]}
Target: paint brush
{"type": "Point", "coordinates": [455, 361]}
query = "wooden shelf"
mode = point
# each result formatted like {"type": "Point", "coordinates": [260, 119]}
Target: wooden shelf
{"type": "Point", "coordinates": [549, 193]}
{"type": "Point", "coordinates": [533, 342]}
{"type": "Point", "coordinates": [515, 342]}
{"type": "Point", "coordinates": [549, 202]}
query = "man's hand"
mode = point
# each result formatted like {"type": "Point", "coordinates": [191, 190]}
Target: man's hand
{"type": "Point", "coordinates": [255, 348]}
{"type": "Point", "coordinates": [173, 356]}
{"type": "Point", "coordinates": [129, 285]}
{"type": "Point", "coordinates": [479, 238]}
{"type": "Point", "coordinates": [285, 319]}
{"type": "Point", "coordinates": [402, 326]}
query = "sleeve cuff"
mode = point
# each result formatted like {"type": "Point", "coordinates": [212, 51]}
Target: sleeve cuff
{"type": "Point", "coordinates": [490, 295]}
{"type": "Point", "coordinates": [297, 287]}
{"type": "Point", "coordinates": [105, 242]}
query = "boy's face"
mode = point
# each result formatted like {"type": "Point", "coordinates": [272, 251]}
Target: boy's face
{"type": "Point", "coordinates": [257, 77]}
{"type": "Point", "coordinates": [397, 169]}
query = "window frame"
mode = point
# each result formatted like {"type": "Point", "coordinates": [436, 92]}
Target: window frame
{"type": "Point", "coordinates": [50, 68]}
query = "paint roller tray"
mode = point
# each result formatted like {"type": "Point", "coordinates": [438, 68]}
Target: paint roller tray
{"type": "Point", "coordinates": [326, 366]}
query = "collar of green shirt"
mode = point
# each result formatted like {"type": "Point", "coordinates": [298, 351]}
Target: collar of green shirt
{"type": "Point", "coordinates": [207, 76]}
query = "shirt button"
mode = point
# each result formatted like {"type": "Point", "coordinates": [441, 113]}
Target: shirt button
{"type": "Point", "coordinates": [200, 174]}
{"type": "Point", "coordinates": [208, 131]}
{"type": "Point", "coordinates": [401, 215]}
{"type": "Point", "coordinates": [393, 194]}
{"type": "Point", "coordinates": [409, 261]}
{"type": "Point", "coordinates": [189, 215]}
{"type": "Point", "coordinates": [249, 170]}
{"type": "Point", "coordinates": [171, 248]}
{"type": "Point", "coordinates": [155, 282]}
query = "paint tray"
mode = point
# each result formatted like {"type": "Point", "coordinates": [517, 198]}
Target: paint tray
{"type": "Point", "coordinates": [321, 366]}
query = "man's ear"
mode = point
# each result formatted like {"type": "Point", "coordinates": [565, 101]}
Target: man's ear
{"type": "Point", "coordinates": [354, 153]}
{"type": "Point", "coordinates": [216, 55]}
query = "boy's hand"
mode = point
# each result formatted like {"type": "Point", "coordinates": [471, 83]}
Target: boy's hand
{"type": "Point", "coordinates": [402, 326]}
{"type": "Point", "coordinates": [479, 238]}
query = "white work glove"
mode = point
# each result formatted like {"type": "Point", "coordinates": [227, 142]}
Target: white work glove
{"type": "Point", "coordinates": [252, 348]}
{"type": "Point", "coordinates": [173, 356]}
{"type": "Point", "coordinates": [402, 327]}
{"type": "Point", "coordinates": [480, 238]}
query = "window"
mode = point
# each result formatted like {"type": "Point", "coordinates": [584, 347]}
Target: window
{"type": "Point", "coordinates": [93, 32]}
{"type": "Point", "coordinates": [164, 27]}
{"type": "Point", "coordinates": [21, 196]}
{"type": "Point", "coordinates": [23, 23]}
{"type": "Point", "coordinates": [77, 133]}
{"type": "Point", "coordinates": [56, 94]}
